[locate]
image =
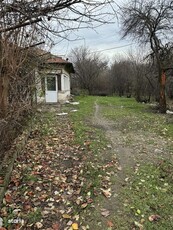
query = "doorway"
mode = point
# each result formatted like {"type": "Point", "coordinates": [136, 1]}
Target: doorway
{"type": "Point", "coordinates": [51, 91]}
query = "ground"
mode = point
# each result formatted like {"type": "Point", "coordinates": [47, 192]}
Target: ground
{"type": "Point", "coordinates": [131, 149]}
{"type": "Point", "coordinates": [61, 183]}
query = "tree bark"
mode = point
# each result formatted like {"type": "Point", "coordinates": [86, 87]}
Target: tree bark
{"type": "Point", "coordinates": [4, 85]}
{"type": "Point", "coordinates": [162, 99]}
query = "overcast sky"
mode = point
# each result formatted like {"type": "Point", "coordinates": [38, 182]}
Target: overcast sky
{"type": "Point", "coordinates": [105, 39]}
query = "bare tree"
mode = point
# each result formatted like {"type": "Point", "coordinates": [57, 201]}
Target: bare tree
{"type": "Point", "coordinates": [26, 23]}
{"type": "Point", "coordinates": [121, 77]}
{"type": "Point", "coordinates": [57, 17]}
{"type": "Point", "coordinates": [151, 22]}
{"type": "Point", "coordinates": [88, 66]}
{"type": "Point", "coordinates": [144, 82]}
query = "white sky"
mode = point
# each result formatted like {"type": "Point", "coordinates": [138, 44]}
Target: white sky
{"type": "Point", "coordinates": [105, 39]}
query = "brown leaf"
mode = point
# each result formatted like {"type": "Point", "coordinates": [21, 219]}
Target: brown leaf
{"type": "Point", "coordinates": [17, 226]}
{"type": "Point", "coordinates": [27, 207]}
{"type": "Point", "coordinates": [55, 226]}
{"type": "Point", "coordinates": [89, 201]}
{"type": "Point", "coordinates": [106, 193]}
{"type": "Point", "coordinates": [84, 205]}
{"type": "Point", "coordinates": [110, 224]}
{"type": "Point", "coordinates": [154, 218]}
{"type": "Point", "coordinates": [31, 193]}
{"type": "Point", "coordinates": [8, 198]}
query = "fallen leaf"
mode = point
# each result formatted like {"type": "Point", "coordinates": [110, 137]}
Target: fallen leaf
{"type": "Point", "coordinates": [17, 226]}
{"type": "Point", "coordinates": [55, 139]}
{"type": "Point", "coordinates": [105, 212]}
{"type": "Point", "coordinates": [39, 225]}
{"type": "Point", "coordinates": [75, 226]}
{"type": "Point", "coordinates": [137, 224]}
{"type": "Point", "coordinates": [84, 205]}
{"type": "Point", "coordinates": [4, 212]}
{"type": "Point", "coordinates": [89, 201]}
{"type": "Point", "coordinates": [55, 226]}
{"type": "Point", "coordinates": [27, 207]}
{"type": "Point", "coordinates": [66, 216]}
{"type": "Point", "coordinates": [142, 221]}
{"type": "Point", "coordinates": [119, 168]}
{"type": "Point", "coordinates": [106, 193]}
{"type": "Point", "coordinates": [154, 218]}
{"type": "Point", "coordinates": [110, 224]}
{"type": "Point", "coordinates": [8, 198]}
{"type": "Point", "coordinates": [69, 223]}
{"type": "Point", "coordinates": [138, 211]}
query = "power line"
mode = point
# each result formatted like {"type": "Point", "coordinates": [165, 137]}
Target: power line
{"type": "Point", "coordinates": [116, 47]}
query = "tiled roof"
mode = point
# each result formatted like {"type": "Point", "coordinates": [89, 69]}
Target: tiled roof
{"type": "Point", "coordinates": [57, 60]}
{"type": "Point", "coordinates": [60, 60]}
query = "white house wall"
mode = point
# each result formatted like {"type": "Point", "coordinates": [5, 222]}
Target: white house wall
{"type": "Point", "coordinates": [65, 87]}
{"type": "Point", "coordinates": [65, 82]}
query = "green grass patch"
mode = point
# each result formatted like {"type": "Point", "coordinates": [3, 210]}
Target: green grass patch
{"type": "Point", "coordinates": [150, 192]}
{"type": "Point", "coordinates": [133, 116]}
{"type": "Point", "coordinates": [35, 216]}
{"type": "Point", "coordinates": [82, 124]}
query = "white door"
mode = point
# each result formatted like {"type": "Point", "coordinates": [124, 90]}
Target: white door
{"type": "Point", "coordinates": [51, 88]}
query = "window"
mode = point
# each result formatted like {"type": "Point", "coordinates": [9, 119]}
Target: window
{"type": "Point", "coordinates": [51, 83]}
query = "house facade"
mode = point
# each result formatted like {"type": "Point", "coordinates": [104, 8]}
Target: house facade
{"type": "Point", "coordinates": [54, 83]}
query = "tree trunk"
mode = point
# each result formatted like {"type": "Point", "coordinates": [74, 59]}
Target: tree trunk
{"type": "Point", "coordinates": [4, 84]}
{"type": "Point", "coordinates": [162, 99]}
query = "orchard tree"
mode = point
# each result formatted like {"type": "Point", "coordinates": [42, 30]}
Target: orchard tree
{"type": "Point", "coordinates": [150, 22]}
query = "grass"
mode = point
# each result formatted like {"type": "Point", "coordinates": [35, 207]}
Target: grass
{"type": "Point", "coordinates": [94, 144]}
{"type": "Point", "coordinates": [150, 190]}
{"type": "Point", "coordinates": [136, 116]}
{"type": "Point", "coordinates": [82, 125]}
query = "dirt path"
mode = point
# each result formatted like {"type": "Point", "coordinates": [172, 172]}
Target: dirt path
{"type": "Point", "coordinates": [130, 149]}
{"type": "Point", "coordinates": [54, 177]}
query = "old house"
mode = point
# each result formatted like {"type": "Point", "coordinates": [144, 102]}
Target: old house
{"type": "Point", "coordinates": [55, 74]}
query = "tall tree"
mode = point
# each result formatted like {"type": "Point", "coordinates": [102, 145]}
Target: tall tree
{"type": "Point", "coordinates": [88, 66]}
{"type": "Point", "coordinates": [151, 22]}
{"type": "Point", "coordinates": [122, 77]}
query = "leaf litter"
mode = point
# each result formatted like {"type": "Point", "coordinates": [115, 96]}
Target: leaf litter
{"type": "Point", "coordinates": [46, 187]}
